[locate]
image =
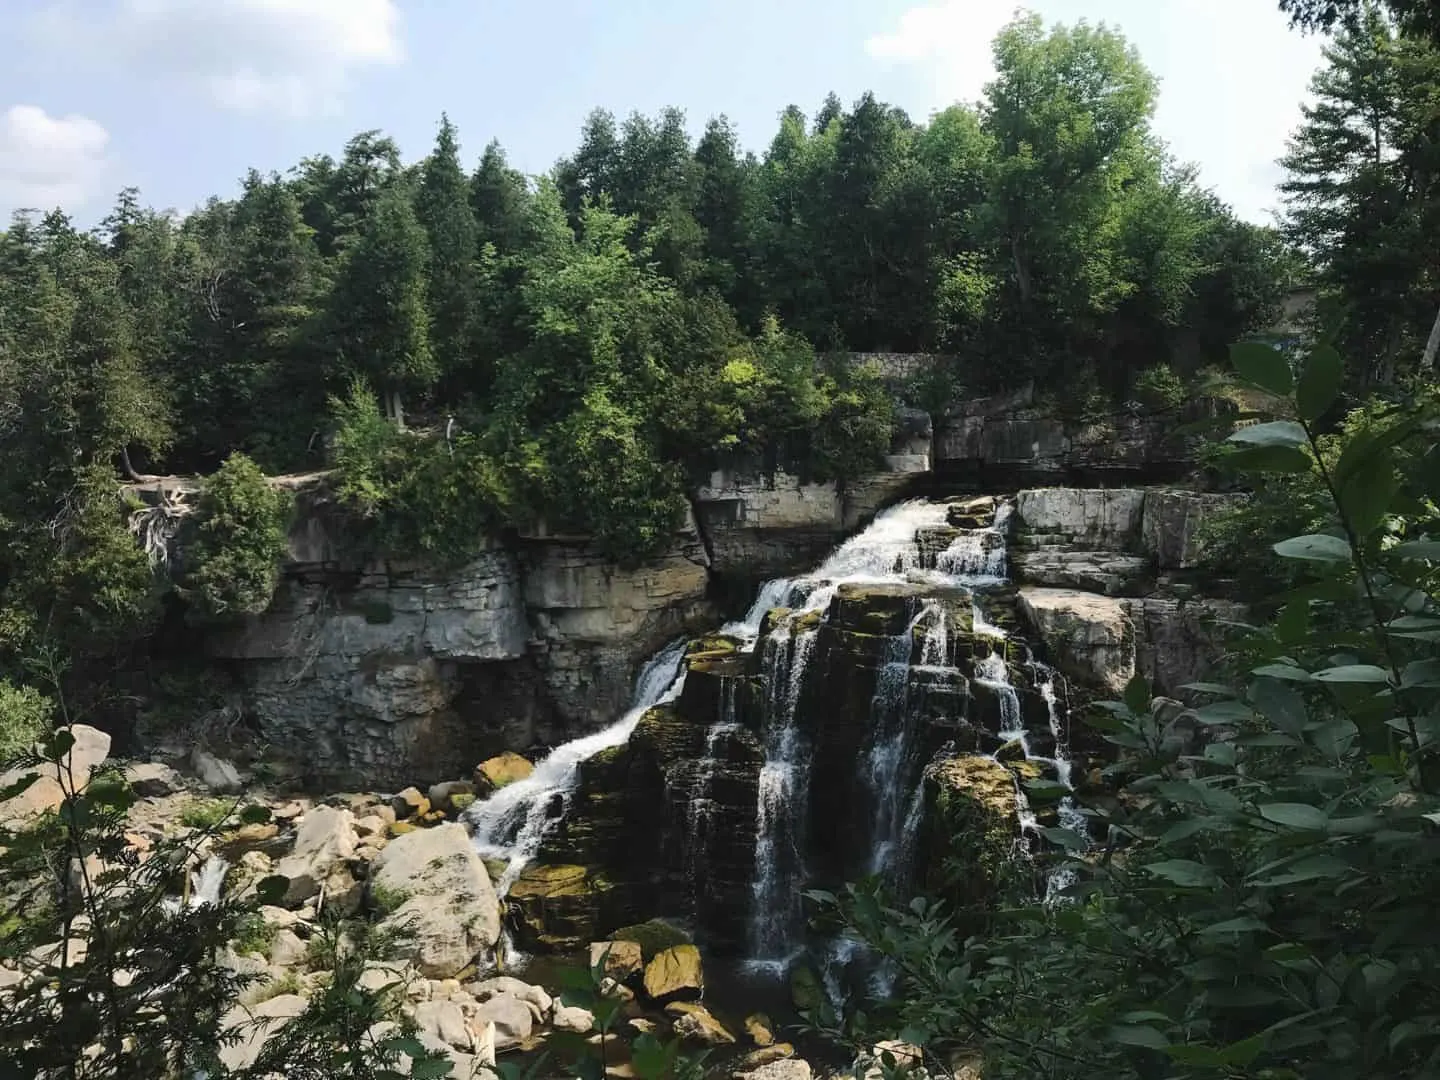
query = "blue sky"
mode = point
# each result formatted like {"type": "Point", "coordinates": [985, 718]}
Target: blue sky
{"type": "Point", "coordinates": [180, 97]}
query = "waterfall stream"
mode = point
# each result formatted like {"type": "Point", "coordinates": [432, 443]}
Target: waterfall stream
{"type": "Point", "coordinates": [512, 823]}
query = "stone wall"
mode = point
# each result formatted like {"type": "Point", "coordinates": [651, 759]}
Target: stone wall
{"type": "Point", "coordinates": [1107, 583]}
{"type": "Point", "coordinates": [1005, 441]}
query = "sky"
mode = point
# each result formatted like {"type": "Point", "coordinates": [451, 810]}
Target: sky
{"type": "Point", "coordinates": [181, 97]}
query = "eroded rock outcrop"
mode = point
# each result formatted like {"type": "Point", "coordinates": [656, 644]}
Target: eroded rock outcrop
{"type": "Point", "coordinates": [439, 897]}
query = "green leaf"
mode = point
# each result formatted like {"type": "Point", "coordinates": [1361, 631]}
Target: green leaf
{"type": "Point", "coordinates": [1046, 790]}
{"type": "Point", "coordinates": [1366, 495]}
{"type": "Point", "coordinates": [1417, 550]}
{"type": "Point", "coordinates": [1286, 672]}
{"type": "Point", "coordinates": [1320, 381]}
{"type": "Point", "coordinates": [1069, 839]}
{"type": "Point", "coordinates": [1219, 689]}
{"type": "Point", "coordinates": [1276, 433]}
{"type": "Point", "coordinates": [1315, 547]}
{"type": "Point", "coordinates": [430, 1068]}
{"type": "Point", "coordinates": [1269, 459]}
{"type": "Point", "coordinates": [1137, 695]}
{"type": "Point", "coordinates": [1310, 868]}
{"type": "Point", "coordinates": [1262, 365]}
{"type": "Point", "coordinates": [1184, 872]}
{"type": "Point", "coordinates": [1281, 704]}
{"type": "Point", "coordinates": [1295, 816]}
{"type": "Point", "coordinates": [1224, 712]}
{"type": "Point", "coordinates": [1245, 924]}
{"type": "Point", "coordinates": [1353, 673]}
{"type": "Point", "coordinates": [1138, 1035]}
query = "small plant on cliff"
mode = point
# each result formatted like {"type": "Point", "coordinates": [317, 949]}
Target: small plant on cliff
{"type": "Point", "coordinates": [1260, 902]}
{"type": "Point", "coordinates": [25, 715]}
{"type": "Point", "coordinates": [233, 562]}
{"type": "Point", "coordinates": [1159, 389]}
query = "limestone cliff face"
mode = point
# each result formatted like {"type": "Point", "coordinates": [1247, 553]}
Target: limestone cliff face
{"type": "Point", "coordinates": [1005, 441]}
{"type": "Point", "coordinates": [395, 672]}
{"type": "Point", "coordinates": [1105, 583]}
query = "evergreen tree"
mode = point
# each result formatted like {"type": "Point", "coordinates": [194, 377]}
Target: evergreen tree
{"type": "Point", "coordinates": [444, 211]}
{"type": "Point", "coordinates": [498, 196]}
{"type": "Point", "coordinates": [1361, 193]}
{"type": "Point", "coordinates": [379, 327]}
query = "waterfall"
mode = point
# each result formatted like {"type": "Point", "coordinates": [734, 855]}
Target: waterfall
{"type": "Point", "coordinates": [700, 813]}
{"type": "Point", "coordinates": [886, 552]}
{"type": "Point", "coordinates": [205, 886]}
{"type": "Point", "coordinates": [892, 743]}
{"type": "Point", "coordinates": [977, 556]}
{"type": "Point", "coordinates": [512, 823]}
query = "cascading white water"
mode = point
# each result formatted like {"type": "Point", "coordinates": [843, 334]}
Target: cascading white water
{"type": "Point", "coordinates": [977, 556]}
{"type": "Point", "coordinates": [512, 823]}
{"type": "Point", "coordinates": [892, 742]}
{"type": "Point", "coordinates": [700, 812]}
{"type": "Point", "coordinates": [886, 552]}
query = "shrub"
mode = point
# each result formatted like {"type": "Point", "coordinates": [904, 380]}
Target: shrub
{"type": "Point", "coordinates": [239, 541]}
{"type": "Point", "coordinates": [1159, 389]}
{"type": "Point", "coordinates": [25, 715]}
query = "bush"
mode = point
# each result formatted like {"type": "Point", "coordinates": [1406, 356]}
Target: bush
{"type": "Point", "coordinates": [1159, 389]}
{"type": "Point", "coordinates": [25, 715]}
{"type": "Point", "coordinates": [239, 541]}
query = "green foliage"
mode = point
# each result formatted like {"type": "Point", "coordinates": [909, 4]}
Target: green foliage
{"type": "Point", "coordinates": [206, 813]}
{"type": "Point", "coordinates": [25, 715]}
{"type": "Point", "coordinates": [1258, 902]}
{"type": "Point", "coordinates": [1159, 389]}
{"type": "Point", "coordinates": [233, 560]}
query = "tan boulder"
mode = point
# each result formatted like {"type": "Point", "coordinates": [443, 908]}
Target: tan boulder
{"type": "Point", "coordinates": [324, 843]}
{"type": "Point", "coordinates": [53, 779]}
{"type": "Point", "coordinates": [760, 1029]}
{"type": "Point", "coordinates": [618, 960]}
{"type": "Point", "coordinates": [675, 974]}
{"type": "Point", "coordinates": [698, 1025]}
{"type": "Point", "coordinates": [410, 803]}
{"type": "Point", "coordinates": [494, 773]}
{"type": "Point", "coordinates": [442, 904]}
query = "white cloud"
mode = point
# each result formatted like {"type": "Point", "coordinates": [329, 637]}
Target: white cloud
{"type": "Point", "coordinates": [48, 161]}
{"type": "Point", "coordinates": [1232, 74]}
{"type": "Point", "coordinates": [290, 56]}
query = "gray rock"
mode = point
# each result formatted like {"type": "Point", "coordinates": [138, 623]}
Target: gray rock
{"type": "Point", "coordinates": [513, 1019]}
{"type": "Point", "coordinates": [255, 1026]}
{"type": "Point", "coordinates": [446, 1021]}
{"type": "Point", "coordinates": [449, 910]}
{"type": "Point", "coordinates": [324, 843]}
{"type": "Point", "coordinates": [1172, 524]}
{"type": "Point", "coordinates": [536, 998]}
{"type": "Point", "coordinates": [217, 774]}
{"type": "Point", "coordinates": [573, 1018]}
{"type": "Point", "coordinates": [153, 779]}
{"type": "Point", "coordinates": [1091, 637]}
{"type": "Point", "coordinates": [1100, 518]}
{"type": "Point", "coordinates": [784, 1069]}
{"type": "Point", "coordinates": [287, 949]}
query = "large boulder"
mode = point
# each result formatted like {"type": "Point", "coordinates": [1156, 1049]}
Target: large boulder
{"type": "Point", "coordinates": [971, 820]}
{"type": "Point", "coordinates": [153, 779]}
{"type": "Point", "coordinates": [54, 779]}
{"type": "Point", "coordinates": [619, 960]}
{"type": "Point", "coordinates": [324, 845]}
{"type": "Point", "coordinates": [1091, 638]}
{"type": "Point", "coordinates": [513, 1020]}
{"type": "Point", "coordinates": [1107, 518]}
{"type": "Point", "coordinates": [675, 974]}
{"type": "Point", "coordinates": [535, 998]}
{"type": "Point", "coordinates": [501, 770]}
{"type": "Point", "coordinates": [255, 1025]}
{"type": "Point", "coordinates": [440, 899]}
{"type": "Point", "coordinates": [217, 774]}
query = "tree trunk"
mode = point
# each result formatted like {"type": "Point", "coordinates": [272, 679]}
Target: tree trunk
{"type": "Point", "coordinates": [1427, 361]}
{"type": "Point", "coordinates": [397, 410]}
{"type": "Point", "coordinates": [134, 476]}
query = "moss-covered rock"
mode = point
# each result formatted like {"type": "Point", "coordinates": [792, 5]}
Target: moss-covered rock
{"type": "Point", "coordinates": [884, 610]}
{"type": "Point", "coordinates": [970, 827]}
{"type": "Point", "coordinates": [494, 773]}
{"type": "Point", "coordinates": [559, 906]}
{"type": "Point", "coordinates": [653, 936]}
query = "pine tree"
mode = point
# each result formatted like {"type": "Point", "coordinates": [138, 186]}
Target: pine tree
{"type": "Point", "coordinates": [378, 320]}
{"type": "Point", "coordinates": [449, 222]}
{"type": "Point", "coordinates": [1361, 192]}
